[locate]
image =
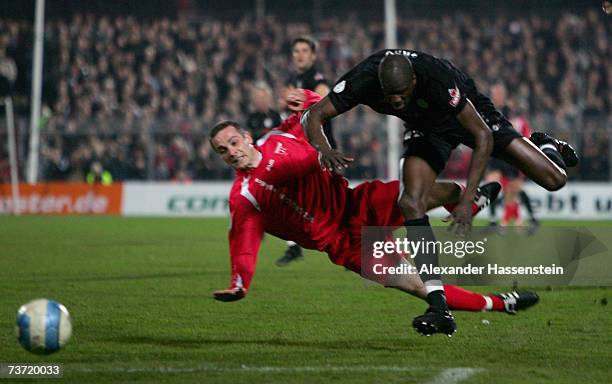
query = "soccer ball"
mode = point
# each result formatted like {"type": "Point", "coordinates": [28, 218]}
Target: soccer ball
{"type": "Point", "coordinates": [43, 326]}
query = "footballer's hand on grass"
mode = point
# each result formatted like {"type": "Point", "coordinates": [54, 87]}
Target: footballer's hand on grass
{"type": "Point", "coordinates": [231, 294]}
{"type": "Point", "coordinates": [334, 160]}
{"type": "Point", "coordinates": [461, 219]}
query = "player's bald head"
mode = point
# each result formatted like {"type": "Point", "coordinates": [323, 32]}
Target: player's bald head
{"type": "Point", "coordinates": [395, 73]}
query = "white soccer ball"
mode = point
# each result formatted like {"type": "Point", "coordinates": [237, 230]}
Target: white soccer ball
{"type": "Point", "coordinates": [43, 326]}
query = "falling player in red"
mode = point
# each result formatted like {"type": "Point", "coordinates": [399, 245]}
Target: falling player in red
{"type": "Point", "coordinates": [281, 189]}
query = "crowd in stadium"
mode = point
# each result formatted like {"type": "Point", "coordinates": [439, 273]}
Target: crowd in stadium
{"type": "Point", "coordinates": [139, 96]}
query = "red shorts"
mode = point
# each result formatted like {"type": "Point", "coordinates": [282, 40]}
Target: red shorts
{"type": "Point", "coordinates": [370, 204]}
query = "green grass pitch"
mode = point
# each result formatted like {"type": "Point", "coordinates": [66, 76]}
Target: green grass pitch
{"type": "Point", "coordinates": [139, 292]}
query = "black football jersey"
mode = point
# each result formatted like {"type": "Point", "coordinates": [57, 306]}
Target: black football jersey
{"type": "Point", "coordinates": [308, 80]}
{"type": "Point", "coordinates": [441, 92]}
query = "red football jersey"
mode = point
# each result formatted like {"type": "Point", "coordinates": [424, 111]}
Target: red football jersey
{"type": "Point", "coordinates": [288, 195]}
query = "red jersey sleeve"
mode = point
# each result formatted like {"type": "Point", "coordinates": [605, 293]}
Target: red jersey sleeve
{"type": "Point", "coordinates": [288, 158]}
{"type": "Point", "coordinates": [311, 98]}
{"type": "Point", "coordinates": [246, 232]}
{"type": "Point", "coordinates": [287, 153]}
{"type": "Point", "coordinates": [292, 123]}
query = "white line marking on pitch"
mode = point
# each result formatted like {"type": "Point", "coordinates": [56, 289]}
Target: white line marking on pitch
{"type": "Point", "coordinates": [447, 376]}
{"type": "Point", "coordinates": [454, 375]}
{"type": "Point", "coordinates": [246, 368]}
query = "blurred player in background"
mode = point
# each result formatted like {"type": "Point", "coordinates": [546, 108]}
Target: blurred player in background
{"type": "Point", "coordinates": [441, 108]}
{"type": "Point", "coordinates": [281, 189]}
{"type": "Point", "coordinates": [306, 76]}
{"type": "Point", "coordinates": [263, 117]}
{"type": "Point", "coordinates": [511, 179]}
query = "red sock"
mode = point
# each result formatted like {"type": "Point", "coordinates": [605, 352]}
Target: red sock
{"type": "Point", "coordinates": [450, 207]}
{"type": "Point", "coordinates": [461, 299]}
{"type": "Point", "coordinates": [498, 304]}
{"type": "Point", "coordinates": [511, 211]}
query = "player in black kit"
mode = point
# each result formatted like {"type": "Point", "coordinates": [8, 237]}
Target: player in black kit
{"type": "Point", "coordinates": [441, 108]}
{"type": "Point", "coordinates": [306, 76]}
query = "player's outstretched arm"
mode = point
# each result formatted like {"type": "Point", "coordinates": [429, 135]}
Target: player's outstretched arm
{"type": "Point", "coordinates": [312, 121]}
{"type": "Point", "coordinates": [483, 138]}
{"type": "Point", "coordinates": [245, 236]}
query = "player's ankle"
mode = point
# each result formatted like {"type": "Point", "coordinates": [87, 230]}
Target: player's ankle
{"type": "Point", "coordinates": [437, 301]}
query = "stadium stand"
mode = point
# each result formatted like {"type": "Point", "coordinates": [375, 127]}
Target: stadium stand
{"type": "Point", "coordinates": [139, 95]}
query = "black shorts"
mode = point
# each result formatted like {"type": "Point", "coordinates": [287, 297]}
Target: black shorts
{"type": "Point", "coordinates": [435, 148]}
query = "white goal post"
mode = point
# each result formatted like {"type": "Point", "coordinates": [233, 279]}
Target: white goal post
{"type": "Point", "coordinates": [393, 127]}
{"type": "Point", "coordinates": [10, 125]}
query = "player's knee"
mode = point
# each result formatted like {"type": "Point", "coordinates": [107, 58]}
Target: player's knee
{"type": "Point", "coordinates": [411, 206]}
{"type": "Point", "coordinates": [555, 181]}
{"type": "Point", "coordinates": [416, 287]}
{"type": "Point", "coordinates": [411, 284]}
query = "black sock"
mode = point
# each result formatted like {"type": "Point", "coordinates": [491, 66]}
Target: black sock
{"type": "Point", "coordinates": [437, 301]}
{"type": "Point", "coordinates": [420, 230]}
{"type": "Point", "coordinates": [554, 155]}
{"type": "Point", "coordinates": [492, 207]}
{"type": "Point", "coordinates": [526, 203]}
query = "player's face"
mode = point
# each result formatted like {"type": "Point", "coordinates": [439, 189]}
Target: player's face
{"type": "Point", "coordinates": [303, 56]}
{"type": "Point", "coordinates": [400, 96]}
{"type": "Point", "coordinates": [399, 99]}
{"type": "Point", "coordinates": [235, 148]}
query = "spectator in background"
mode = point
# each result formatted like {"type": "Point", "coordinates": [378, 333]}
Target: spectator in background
{"type": "Point", "coordinates": [56, 166]}
{"type": "Point", "coordinates": [98, 175]}
{"type": "Point", "coordinates": [5, 167]}
{"type": "Point", "coordinates": [263, 117]}
{"type": "Point", "coordinates": [158, 78]}
{"type": "Point", "coordinates": [182, 176]}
